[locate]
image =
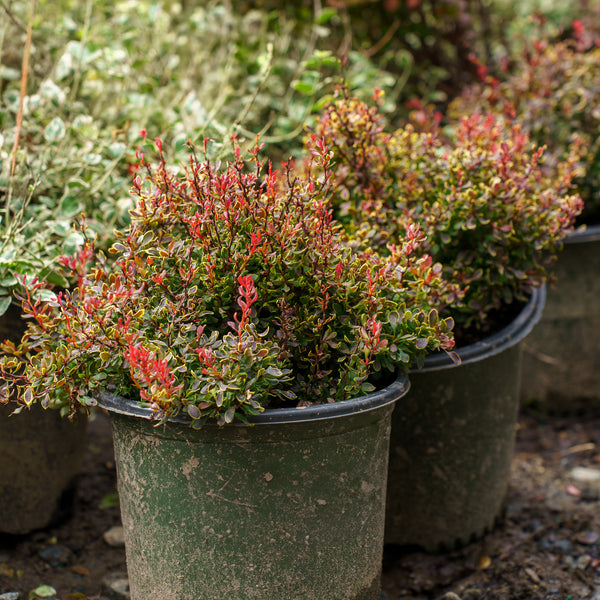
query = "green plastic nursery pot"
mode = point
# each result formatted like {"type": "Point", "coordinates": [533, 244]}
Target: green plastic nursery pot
{"type": "Point", "coordinates": [561, 358]}
{"type": "Point", "coordinates": [452, 441]}
{"type": "Point", "coordinates": [40, 458]}
{"type": "Point", "coordinates": [40, 461]}
{"type": "Point", "coordinates": [290, 507]}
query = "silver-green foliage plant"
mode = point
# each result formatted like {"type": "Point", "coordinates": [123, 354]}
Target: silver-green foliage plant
{"type": "Point", "coordinates": [27, 250]}
{"type": "Point", "coordinates": [102, 72]}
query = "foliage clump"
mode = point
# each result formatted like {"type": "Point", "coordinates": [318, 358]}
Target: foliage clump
{"type": "Point", "coordinates": [487, 210]}
{"type": "Point", "coordinates": [231, 291]}
{"type": "Point", "coordinates": [552, 91]}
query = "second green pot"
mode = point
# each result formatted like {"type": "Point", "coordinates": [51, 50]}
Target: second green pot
{"type": "Point", "coordinates": [452, 441]}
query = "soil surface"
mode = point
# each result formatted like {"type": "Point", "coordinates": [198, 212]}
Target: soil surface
{"type": "Point", "coordinates": [547, 547]}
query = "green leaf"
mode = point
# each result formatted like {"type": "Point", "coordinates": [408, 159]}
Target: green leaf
{"type": "Point", "coordinates": [44, 591]}
{"type": "Point", "coordinates": [8, 73]}
{"type": "Point", "coordinates": [49, 90]}
{"type": "Point", "coordinates": [421, 343]}
{"type": "Point", "coordinates": [193, 411]}
{"type": "Point", "coordinates": [116, 149]}
{"type": "Point", "coordinates": [70, 205]}
{"type": "Point", "coordinates": [44, 295]}
{"type": "Point", "coordinates": [323, 102]}
{"type": "Point", "coordinates": [5, 302]}
{"type": "Point", "coordinates": [9, 281]}
{"type": "Point", "coordinates": [73, 242]}
{"type": "Point", "coordinates": [55, 130]}
{"type": "Point", "coordinates": [325, 16]}
{"type": "Point", "coordinates": [92, 158]}
{"type": "Point", "coordinates": [111, 500]}
{"type": "Point", "coordinates": [230, 414]}
{"type": "Point", "coordinates": [303, 87]}
{"type": "Point", "coordinates": [274, 371]}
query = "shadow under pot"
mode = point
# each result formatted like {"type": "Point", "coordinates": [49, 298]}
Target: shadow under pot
{"type": "Point", "coordinates": [291, 506]}
{"type": "Point", "coordinates": [452, 441]}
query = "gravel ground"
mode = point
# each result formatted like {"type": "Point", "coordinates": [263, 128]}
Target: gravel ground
{"type": "Point", "coordinates": [547, 547]}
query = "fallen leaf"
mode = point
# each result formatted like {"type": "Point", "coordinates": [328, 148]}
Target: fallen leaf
{"type": "Point", "coordinates": [43, 591]}
{"type": "Point", "coordinates": [80, 570]}
{"type": "Point", "coordinates": [484, 563]}
{"type": "Point", "coordinates": [110, 500]}
{"type": "Point", "coordinates": [533, 575]}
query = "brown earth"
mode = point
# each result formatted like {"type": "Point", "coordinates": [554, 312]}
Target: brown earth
{"type": "Point", "coordinates": [548, 546]}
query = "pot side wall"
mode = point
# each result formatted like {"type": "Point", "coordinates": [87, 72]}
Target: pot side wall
{"type": "Point", "coordinates": [263, 512]}
{"type": "Point", "coordinates": [451, 453]}
{"type": "Point", "coordinates": [40, 460]}
{"type": "Point", "coordinates": [561, 358]}
{"type": "Point", "coordinates": [40, 457]}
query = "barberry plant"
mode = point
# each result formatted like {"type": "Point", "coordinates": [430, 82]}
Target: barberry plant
{"type": "Point", "coordinates": [488, 212]}
{"type": "Point", "coordinates": [552, 92]}
{"type": "Point", "coordinates": [231, 291]}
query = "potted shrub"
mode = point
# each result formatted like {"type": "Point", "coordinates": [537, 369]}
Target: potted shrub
{"type": "Point", "coordinates": [494, 222]}
{"type": "Point", "coordinates": [552, 92]}
{"type": "Point", "coordinates": [40, 453]}
{"type": "Point", "coordinates": [248, 360]}
{"type": "Point", "coordinates": [68, 119]}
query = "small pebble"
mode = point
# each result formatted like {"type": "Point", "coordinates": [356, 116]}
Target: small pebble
{"type": "Point", "coordinates": [116, 586]}
{"type": "Point", "coordinates": [583, 561]}
{"type": "Point", "coordinates": [114, 537]}
{"type": "Point", "coordinates": [587, 537]}
{"type": "Point", "coordinates": [585, 474]}
{"type": "Point", "coordinates": [56, 556]}
{"type": "Point", "coordinates": [472, 594]}
{"type": "Point", "coordinates": [10, 596]}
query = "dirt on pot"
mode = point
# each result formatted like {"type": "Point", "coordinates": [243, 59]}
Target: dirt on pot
{"type": "Point", "coordinates": [547, 547]}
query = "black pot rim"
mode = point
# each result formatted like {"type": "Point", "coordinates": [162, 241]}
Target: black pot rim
{"type": "Point", "coordinates": [584, 235]}
{"type": "Point", "coordinates": [273, 416]}
{"type": "Point", "coordinates": [492, 345]}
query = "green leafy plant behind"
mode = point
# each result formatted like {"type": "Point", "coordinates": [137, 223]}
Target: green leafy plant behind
{"type": "Point", "coordinates": [230, 291]}
{"type": "Point", "coordinates": [101, 72]}
{"type": "Point", "coordinates": [488, 212]}
{"type": "Point", "coordinates": [26, 250]}
{"type": "Point", "coordinates": [552, 91]}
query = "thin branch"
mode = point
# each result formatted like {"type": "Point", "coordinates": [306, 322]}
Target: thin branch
{"type": "Point", "coordinates": [24, 71]}
{"type": "Point", "coordinates": [387, 36]}
{"type": "Point", "coordinates": [12, 17]}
